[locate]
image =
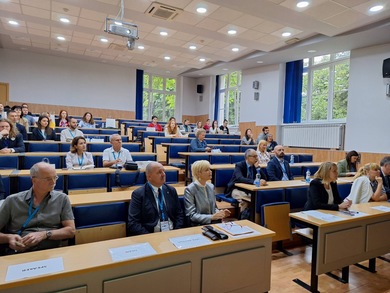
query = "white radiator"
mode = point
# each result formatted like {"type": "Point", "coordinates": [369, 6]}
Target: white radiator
{"type": "Point", "coordinates": [314, 135]}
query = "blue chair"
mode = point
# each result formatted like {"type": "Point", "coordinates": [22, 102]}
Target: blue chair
{"type": "Point", "coordinates": [243, 148]}
{"type": "Point", "coordinates": [220, 181]}
{"type": "Point", "coordinates": [9, 162]}
{"type": "Point", "coordinates": [144, 157]}
{"type": "Point", "coordinates": [132, 147]}
{"type": "Point", "coordinates": [29, 161]}
{"type": "Point", "coordinates": [237, 158]}
{"type": "Point", "coordinates": [171, 176]}
{"type": "Point", "coordinates": [98, 147]}
{"type": "Point", "coordinates": [344, 190]}
{"type": "Point", "coordinates": [297, 197]}
{"type": "Point", "coordinates": [305, 158]}
{"type": "Point", "coordinates": [109, 131]}
{"type": "Point", "coordinates": [87, 181]}
{"type": "Point", "coordinates": [174, 150]}
{"type": "Point", "coordinates": [43, 147]}
{"type": "Point", "coordinates": [231, 148]}
{"type": "Point", "coordinates": [24, 183]}
{"type": "Point", "coordinates": [193, 159]}
{"type": "Point", "coordinates": [219, 159]}
{"type": "Point", "coordinates": [268, 196]}
{"type": "Point", "coordinates": [181, 140]}
{"type": "Point", "coordinates": [212, 141]}
{"type": "Point", "coordinates": [160, 140]}
{"type": "Point", "coordinates": [90, 131]}
{"type": "Point", "coordinates": [312, 170]}
{"type": "Point", "coordinates": [64, 146]}
{"type": "Point", "coordinates": [127, 179]}
{"type": "Point", "coordinates": [296, 171]}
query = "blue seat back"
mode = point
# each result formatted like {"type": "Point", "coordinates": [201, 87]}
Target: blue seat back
{"type": "Point", "coordinates": [296, 171]}
{"type": "Point", "coordinates": [312, 169]}
{"type": "Point", "coordinates": [305, 158]}
{"type": "Point", "coordinates": [43, 147]}
{"type": "Point", "coordinates": [268, 196]}
{"type": "Point", "coordinates": [9, 162]}
{"type": "Point", "coordinates": [128, 179]}
{"type": "Point", "coordinates": [222, 177]}
{"type": "Point", "coordinates": [243, 148]}
{"type": "Point", "coordinates": [6, 183]}
{"type": "Point", "coordinates": [132, 147]}
{"type": "Point", "coordinates": [100, 214]}
{"type": "Point", "coordinates": [231, 148]}
{"type": "Point", "coordinates": [98, 147]}
{"type": "Point", "coordinates": [219, 159]}
{"type": "Point", "coordinates": [24, 183]}
{"type": "Point", "coordinates": [174, 150]}
{"type": "Point", "coordinates": [288, 158]}
{"type": "Point", "coordinates": [344, 189]}
{"type": "Point", "coordinates": [237, 158]}
{"type": "Point", "coordinates": [64, 146]}
{"type": "Point", "coordinates": [29, 161]}
{"type": "Point", "coordinates": [144, 157]}
{"type": "Point", "coordinates": [90, 131]}
{"type": "Point", "coordinates": [297, 197]}
{"type": "Point", "coordinates": [171, 176]}
{"type": "Point", "coordinates": [212, 141]}
{"type": "Point", "coordinates": [82, 181]}
{"type": "Point", "coordinates": [109, 131]}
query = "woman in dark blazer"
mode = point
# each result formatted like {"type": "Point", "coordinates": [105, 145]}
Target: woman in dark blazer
{"type": "Point", "coordinates": [43, 130]}
{"type": "Point", "coordinates": [323, 193]}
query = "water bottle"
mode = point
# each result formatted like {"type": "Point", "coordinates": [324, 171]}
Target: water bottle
{"type": "Point", "coordinates": [308, 176]}
{"type": "Point", "coordinates": [292, 159]}
{"type": "Point", "coordinates": [257, 180]}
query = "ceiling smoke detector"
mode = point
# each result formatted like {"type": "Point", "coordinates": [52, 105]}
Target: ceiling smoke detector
{"type": "Point", "coordinates": [162, 11]}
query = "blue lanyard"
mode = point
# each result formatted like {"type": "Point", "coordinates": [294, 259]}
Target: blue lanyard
{"type": "Point", "coordinates": [30, 215]}
{"type": "Point", "coordinates": [71, 133]}
{"type": "Point", "coordinates": [160, 202]}
{"type": "Point", "coordinates": [119, 154]}
{"type": "Point", "coordinates": [82, 159]}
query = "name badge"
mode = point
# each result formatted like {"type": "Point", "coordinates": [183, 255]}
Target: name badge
{"type": "Point", "coordinates": [164, 226]}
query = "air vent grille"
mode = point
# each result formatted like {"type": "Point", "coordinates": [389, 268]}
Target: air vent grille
{"type": "Point", "coordinates": [162, 11]}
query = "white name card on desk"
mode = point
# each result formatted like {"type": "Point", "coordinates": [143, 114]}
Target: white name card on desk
{"type": "Point", "coordinates": [131, 251]}
{"type": "Point", "coordinates": [382, 208]}
{"type": "Point", "coordinates": [323, 216]}
{"type": "Point", "coordinates": [35, 268]}
{"type": "Point", "coordinates": [190, 241]}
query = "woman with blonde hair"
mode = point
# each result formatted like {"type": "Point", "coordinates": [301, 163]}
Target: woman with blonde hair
{"type": "Point", "coordinates": [199, 197]}
{"type": "Point", "coordinates": [323, 193]}
{"type": "Point", "coordinates": [78, 156]}
{"type": "Point", "coordinates": [367, 185]}
{"type": "Point", "coordinates": [263, 156]}
{"type": "Point", "coordinates": [171, 129]}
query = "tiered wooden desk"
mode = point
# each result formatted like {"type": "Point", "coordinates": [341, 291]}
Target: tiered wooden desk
{"type": "Point", "coordinates": [342, 243]}
{"type": "Point", "coordinates": [236, 264]}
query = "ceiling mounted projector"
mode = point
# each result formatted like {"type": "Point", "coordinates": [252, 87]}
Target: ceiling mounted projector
{"type": "Point", "coordinates": [123, 29]}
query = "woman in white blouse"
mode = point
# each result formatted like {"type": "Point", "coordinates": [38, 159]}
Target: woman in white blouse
{"type": "Point", "coordinates": [263, 156]}
{"type": "Point", "coordinates": [171, 129]}
{"type": "Point", "coordinates": [77, 156]}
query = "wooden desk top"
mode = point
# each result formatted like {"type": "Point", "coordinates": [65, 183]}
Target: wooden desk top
{"type": "Point", "coordinates": [83, 258]}
{"type": "Point", "coordinates": [7, 172]}
{"type": "Point", "coordinates": [231, 166]}
{"type": "Point", "coordinates": [362, 207]}
{"type": "Point", "coordinates": [108, 197]}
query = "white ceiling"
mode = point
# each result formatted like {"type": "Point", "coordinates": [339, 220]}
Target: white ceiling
{"type": "Point", "coordinates": [324, 26]}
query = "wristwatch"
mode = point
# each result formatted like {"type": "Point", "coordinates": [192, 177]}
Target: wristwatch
{"type": "Point", "coordinates": [48, 234]}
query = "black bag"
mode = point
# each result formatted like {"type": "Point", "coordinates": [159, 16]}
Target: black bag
{"type": "Point", "coordinates": [130, 166]}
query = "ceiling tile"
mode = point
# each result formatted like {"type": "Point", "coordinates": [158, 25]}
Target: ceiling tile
{"type": "Point", "coordinates": [90, 24]}
{"type": "Point", "coordinates": [345, 18]}
{"type": "Point", "coordinates": [36, 12]}
{"type": "Point", "coordinates": [247, 21]}
{"type": "Point", "coordinates": [218, 44]}
{"type": "Point", "coordinates": [56, 17]}
{"type": "Point", "coordinates": [42, 46]}
{"type": "Point", "coordinates": [269, 39]}
{"type": "Point", "coordinates": [61, 31]}
{"type": "Point", "coordinates": [65, 8]}
{"type": "Point", "coordinates": [83, 35]}
{"type": "Point", "coordinates": [225, 14]}
{"type": "Point", "coordinates": [268, 27]}
{"type": "Point", "coordinates": [10, 7]}
{"type": "Point", "coordinates": [251, 35]}
{"type": "Point", "coordinates": [39, 32]}
{"type": "Point", "coordinates": [38, 26]}
{"type": "Point", "coordinates": [202, 40]}
{"type": "Point", "coordinates": [211, 24]}
{"type": "Point", "coordinates": [209, 50]}
{"type": "Point", "coordinates": [174, 42]}
{"type": "Point", "coordinates": [188, 18]}
{"type": "Point", "coordinates": [228, 27]}
{"type": "Point", "coordinates": [93, 15]}
{"type": "Point", "coordinates": [325, 10]}
{"type": "Point", "coordinates": [81, 40]}
{"type": "Point", "coordinates": [352, 3]}
{"type": "Point", "coordinates": [42, 4]}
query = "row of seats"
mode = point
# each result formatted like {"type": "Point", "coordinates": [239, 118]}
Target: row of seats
{"type": "Point", "coordinates": [46, 146]}
{"type": "Point", "coordinates": [88, 136]}
{"type": "Point", "coordinates": [27, 160]}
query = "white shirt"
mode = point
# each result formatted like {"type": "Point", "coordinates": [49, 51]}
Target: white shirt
{"type": "Point", "coordinates": [361, 190]}
{"type": "Point", "coordinates": [111, 155]}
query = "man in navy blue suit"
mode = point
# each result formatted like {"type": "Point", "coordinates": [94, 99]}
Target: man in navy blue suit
{"type": "Point", "coordinates": [278, 169]}
{"type": "Point", "coordinates": [154, 207]}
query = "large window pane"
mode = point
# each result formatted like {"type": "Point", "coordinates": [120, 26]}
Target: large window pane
{"type": "Point", "coordinates": [340, 98]}
{"type": "Point", "coordinates": [158, 83]}
{"type": "Point", "coordinates": [170, 106]}
{"type": "Point", "coordinates": [146, 81]}
{"type": "Point", "coordinates": [319, 105]}
{"type": "Point", "coordinates": [171, 85]}
{"type": "Point", "coordinates": [145, 106]}
{"type": "Point", "coordinates": [321, 59]}
{"type": "Point", "coordinates": [158, 105]}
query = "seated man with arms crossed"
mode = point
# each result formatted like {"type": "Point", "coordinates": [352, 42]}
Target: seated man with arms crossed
{"type": "Point", "coordinates": [67, 135]}
{"type": "Point", "coordinates": [154, 207]}
{"type": "Point", "coordinates": [116, 155]}
{"type": "Point", "coordinates": [278, 168]}
{"type": "Point", "coordinates": [38, 218]}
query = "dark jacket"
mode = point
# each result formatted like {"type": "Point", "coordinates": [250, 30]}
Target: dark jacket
{"type": "Point", "coordinates": [2, 189]}
{"type": "Point", "coordinates": [144, 212]}
{"type": "Point", "coordinates": [317, 196]}
{"type": "Point", "coordinates": [240, 175]}
{"type": "Point", "coordinates": [37, 135]}
{"type": "Point", "coordinates": [275, 172]}
{"type": "Point", "coordinates": [17, 143]}
{"type": "Point", "coordinates": [22, 130]}
{"type": "Point", "coordinates": [386, 184]}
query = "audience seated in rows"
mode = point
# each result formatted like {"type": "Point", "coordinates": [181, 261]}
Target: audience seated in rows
{"type": "Point", "coordinates": [116, 155]}
{"type": "Point", "coordinates": [71, 132]}
{"type": "Point", "coordinates": [43, 130]}
{"type": "Point", "coordinates": [28, 117]}
{"type": "Point", "coordinates": [87, 121]}
{"type": "Point", "coordinates": [38, 218]}
{"type": "Point", "coordinates": [199, 197]}
{"type": "Point", "coordinates": [78, 156]}
{"type": "Point", "coordinates": [367, 185]}
{"type": "Point", "coordinates": [11, 141]}
{"type": "Point", "coordinates": [186, 127]}
{"type": "Point", "coordinates": [247, 139]}
{"type": "Point", "coordinates": [155, 206]}
{"type": "Point", "coordinates": [323, 192]}
{"type": "Point", "coordinates": [224, 127]}
{"type": "Point", "coordinates": [385, 174]}
{"type": "Point", "coordinates": [348, 166]}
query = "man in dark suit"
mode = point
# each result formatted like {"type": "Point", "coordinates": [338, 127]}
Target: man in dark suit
{"type": "Point", "coordinates": [245, 172]}
{"type": "Point", "coordinates": [13, 117]}
{"type": "Point", "coordinates": [155, 206]}
{"type": "Point", "coordinates": [278, 169]}
{"type": "Point", "coordinates": [385, 174]}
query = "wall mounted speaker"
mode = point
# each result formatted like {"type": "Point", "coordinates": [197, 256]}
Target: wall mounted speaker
{"type": "Point", "coordinates": [386, 68]}
{"type": "Point", "coordinates": [199, 89]}
{"type": "Point", "coordinates": [256, 84]}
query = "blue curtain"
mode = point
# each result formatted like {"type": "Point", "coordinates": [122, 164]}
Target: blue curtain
{"type": "Point", "coordinates": [293, 92]}
{"type": "Point", "coordinates": [139, 88]}
{"type": "Point", "coordinates": [216, 102]}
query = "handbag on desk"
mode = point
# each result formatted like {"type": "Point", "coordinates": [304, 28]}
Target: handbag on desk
{"type": "Point", "coordinates": [130, 166]}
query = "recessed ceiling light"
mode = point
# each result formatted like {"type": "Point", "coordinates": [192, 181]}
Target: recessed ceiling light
{"type": "Point", "coordinates": [286, 34]}
{"type": "Point", "coordinates": [376, 8]}
{"type": "Point", "coordinates": [259, 62]}
{"type": "Point", "coordinates": [235, 49]}
{"type": "Point", "coordinates": [201, 10]}
{"type": "Point", "coordinates": [141, 47]}
{"type": "Point", "coordinates": [202, 59]}
{"type": "Point", "coordinates": [311, 51]}
{"type": "Point", "coordinates": [167, 58]}
{"type": "Point", "coordinates": [103, 40]}
{"type": "Point", "coordinates": [64, 20]}
{"type": "Point", "coordinates": [232, 32]}
{"type": "Point", "coordinates": [61, 38]}
{"type": "Point", "coordinates": [13, 22]}
{"type": "Point", "coordinates": [225, 69]}
{"type": "Point", "coordinates": [163, 33]}
{"type": "Point", "coordinates": [303, 4]}
{"type": "Point", "coordinates": [192, 47]}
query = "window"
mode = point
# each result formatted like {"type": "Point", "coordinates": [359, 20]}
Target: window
{"type": "Point", "coordinates": [230, 98]}
{"type": "Point", "coordinates": [325, 87]}
{"type": "Point", "coordinates": [159, 97]}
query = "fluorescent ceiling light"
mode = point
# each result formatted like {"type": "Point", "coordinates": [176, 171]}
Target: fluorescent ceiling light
{"type": "Point", "coordinates": [303, 4]}
{"type": "Point", "coordinates": [286, 34]}
{"type": "Point", "coordinates": [64, 20]}
{"type": "Point", "coordinates": [13, 22]}
{"type": "Point", "coordinates": [103, 40]}
{"type": "Point", "coordinates": [235, 49]}
{"type": "Point", "coordinates": [232, 32]}
{"type": "Point", "coordinates": [141, 47]}
{"type": "Point", "coordinates": [201, 10]}
{"type": "Point", "coordinates": [163, 33]}
{"type": "Point", "coordinates": [202, 59]}
{"type": "Point", "coordinates": [376, 8]}
{"type": "Point", "coordinates": [61, 38]}
{"type": "Point", "coordinates": [192, 47]}
{"type": "Point", "coordinates": [167, 58]}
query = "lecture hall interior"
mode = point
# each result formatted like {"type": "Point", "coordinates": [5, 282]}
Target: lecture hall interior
{"type": "Point", "coordinates": [316, 72]}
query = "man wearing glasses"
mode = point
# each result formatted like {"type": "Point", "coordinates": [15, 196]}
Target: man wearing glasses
{"type": "Point", "coordinates": [38, 218]}
{"type": "Point", "coordinates": [116, 156]}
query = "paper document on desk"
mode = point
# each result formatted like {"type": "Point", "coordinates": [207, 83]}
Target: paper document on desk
{"type": "Point", "coordinates": [85, 167]}
{"type": "Point", "coordinates": [235, 229]}
{"type": "Point", "coordinates": [382, 208]}
{"type": "Point", "coordinates": [323, 216]}
{"type": "Point", "coordinates": [190, 241]}
{"type": "Point", "coordinates": [34, 269]}
{"type": "Point", "coordinates": [131, 251]}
